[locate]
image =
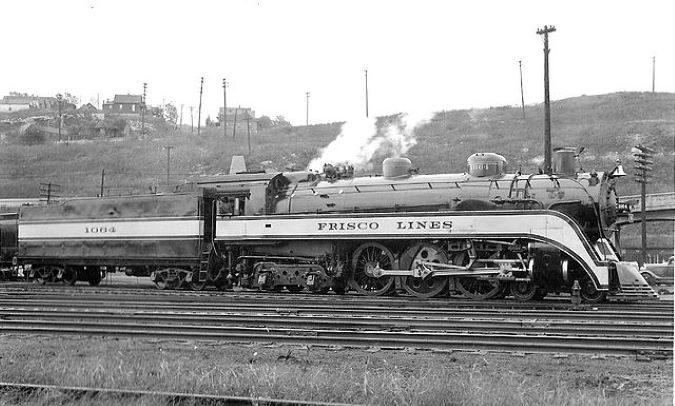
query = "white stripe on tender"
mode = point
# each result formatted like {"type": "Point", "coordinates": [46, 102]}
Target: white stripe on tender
{"type": "Point", "coordinates": [104, 229]}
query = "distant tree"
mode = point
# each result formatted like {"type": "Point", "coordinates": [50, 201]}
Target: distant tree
{"type": "Point", "coordinates": [69, 98]}
{"type": "Point", "coordinates": [265, 122]}
{"type": "Point", "coordinates": [280, 121]}
{"type": "Point", "coordinates": [170, 113]}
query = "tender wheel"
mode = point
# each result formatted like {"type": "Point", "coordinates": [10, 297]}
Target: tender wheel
{"type": "Point", "coordinates": [69, 276]}
{"type": "Point", "coordinates": [424, 287]}
{"type": "Point", "coordinates": [368, 258]}
{"type": "Point", "coordinates": [523, 291]}
{"type": "Point", "coordinates": [46, 274]}
{"type": "Point", "coordinates": [40, 275]}
{"type": "Point", "coordinates": [95, 279]}
{"type": "Point", "coordinates": [161, 282]}
{"type": "Point", "coordinates": [590, 294]}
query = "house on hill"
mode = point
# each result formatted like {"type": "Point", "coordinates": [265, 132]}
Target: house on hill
{"type": "Point", "coordinates": [87, 109]}
{"type": "Point", "coordinates": [22, 101]}
{"type": "Point", "coordinates": [127, 106]}
{"type": "Point", "coordinates": [243, 116]}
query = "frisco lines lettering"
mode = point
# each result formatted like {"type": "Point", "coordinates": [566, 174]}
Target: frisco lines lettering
{"type": "Point", "coordinates": [374, 225]}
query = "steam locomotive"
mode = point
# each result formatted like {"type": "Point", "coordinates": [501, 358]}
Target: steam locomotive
{"type": "Point", "coordinates": [483, 233]}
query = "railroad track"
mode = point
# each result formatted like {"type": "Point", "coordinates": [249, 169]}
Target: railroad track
{"type": "Point", "coordinates": [560, 302]}
{"type": "Point", "coordinates": [92, 395]}
{"type": "Point", "coordinates": [348, 322]}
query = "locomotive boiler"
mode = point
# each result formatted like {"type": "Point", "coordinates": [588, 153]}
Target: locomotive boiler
{"type": "Point", "coordinates": [483, 233]}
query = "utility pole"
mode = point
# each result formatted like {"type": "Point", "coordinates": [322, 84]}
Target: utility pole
{"type": "Point", "coordinates": [547, 102]}
{"type": "Point", "coordinates": [522, 96]}
{"type": "Point", "coordinates": [307, 109]}
{"type": "Point", "coordinates": [180, 128]}
{"type": "Point", "coordinates": [366, 71]}
{"type": "Point", "coordinates": [168, 163]}
{"type": "Point", "coordinates": [653, 74]}
{"type": "Point", "coordinates": [145, 86]}
{"type": "Point", "coordinates": [59, 99]}
{"type": "Point", "coordinates": [199, 114]}
{"type": "Point", "coordinates": [102, 179]}
{"type": "Point", "coordinates": [643, 164]}
{"type": "Point", "coordinates": [234, 128]}
{"type": "Point", "coordinates": [192, 120]}
{"type": "Point", "coordinates": [248, 130]}
{"type": "Point", "coordinates": [224, 122]}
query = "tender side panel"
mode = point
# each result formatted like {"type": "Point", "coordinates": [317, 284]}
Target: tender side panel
{"type": "Point", "coordinates": [153, 229]}
{"type": "Point", "coordinates": [546, 226]}
{"type": "Point", "coordinates": [130, 240]}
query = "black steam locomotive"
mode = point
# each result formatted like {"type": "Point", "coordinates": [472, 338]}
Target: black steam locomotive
{"type": "Point", "coordinates": [483, 233]}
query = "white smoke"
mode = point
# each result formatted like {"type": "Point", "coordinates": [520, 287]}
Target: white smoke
{"type": "Point", "coordinates": [360, 143]}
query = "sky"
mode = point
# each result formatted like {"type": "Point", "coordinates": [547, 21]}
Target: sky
{"type": "Point", "coordinates": [420, 55]}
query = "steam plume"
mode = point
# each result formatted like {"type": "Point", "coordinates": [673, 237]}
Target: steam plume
{"type": "Point", "coordinates": [361, 144]}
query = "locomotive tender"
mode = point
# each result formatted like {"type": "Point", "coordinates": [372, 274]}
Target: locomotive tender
{"type": "Point", "coordinates": [483, 233]}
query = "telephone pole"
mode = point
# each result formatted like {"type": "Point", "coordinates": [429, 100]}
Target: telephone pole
{"type": "Point", "coordinates": [102, 180]}
{"type": "Point", "coordinates": [199, 113]}
{"type": "Point", "coordinates": [59, 100]}
{"type": "Point", "coordinates": [653, 74]}
{"type": "Point", "coordinates": [547, 102]}
{"type": "Point", "coordinates": [366, 71]}
{"type": "Point", "coordinates": [145, 87]}
{"type": "Point", "coordinates": [522, 96]}
{"type": "Point", "coordinates": [224, 122]}
{"type": "Point", "coordinates": [307, 109]}
{"type": "Point", "coordinates": [180, 128]}
{"type": "Point", "coordinates": [192, 120]}
{"type": "Point", "coordinates": [168, 162]}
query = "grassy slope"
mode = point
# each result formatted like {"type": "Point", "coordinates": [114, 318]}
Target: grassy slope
{"type": "Point", "coordinates": [606, 125]}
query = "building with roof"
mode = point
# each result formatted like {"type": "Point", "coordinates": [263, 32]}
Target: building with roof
{"type": "Point", "coordinates": [22, 101]}
{"type": "Point", "coordinates": [126, 106]}
{"type": "Point", "coordinates": [243, 116]}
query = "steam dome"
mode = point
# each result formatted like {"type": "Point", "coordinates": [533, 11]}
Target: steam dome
{"type": "Point", "coordinates": [396, 168]}
{"type": "Point", "coordinates": [484, 164]}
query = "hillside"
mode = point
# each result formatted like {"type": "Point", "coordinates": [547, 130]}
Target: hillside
{"type": "Point", "coordinates": [606, 125]}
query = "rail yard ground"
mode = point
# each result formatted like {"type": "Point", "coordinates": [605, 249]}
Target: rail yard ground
{"type": "Point", "coordinates": [344, 374]}
{"type": "Point", "coordinates": [357, 376]}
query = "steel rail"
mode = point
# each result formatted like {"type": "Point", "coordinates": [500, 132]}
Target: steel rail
{"type": "Point", "coordinates": [168, 397]}
{"type": "Point", "coordinates": [527, 326]}
{"type": "Point", "coordinates": [348, 309]}
{"type": "Point", "coordinates": [416, 339]}
{"type": "Point", "coordinates": [558, 302]}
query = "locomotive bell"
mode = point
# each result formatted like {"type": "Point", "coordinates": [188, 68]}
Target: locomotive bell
{"type": "Point", "coordinates": [563, 161]}
{"type": "Point", "coordinates": [486, 164]}
{"type": "Point", "coordinates": [393, 168]}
